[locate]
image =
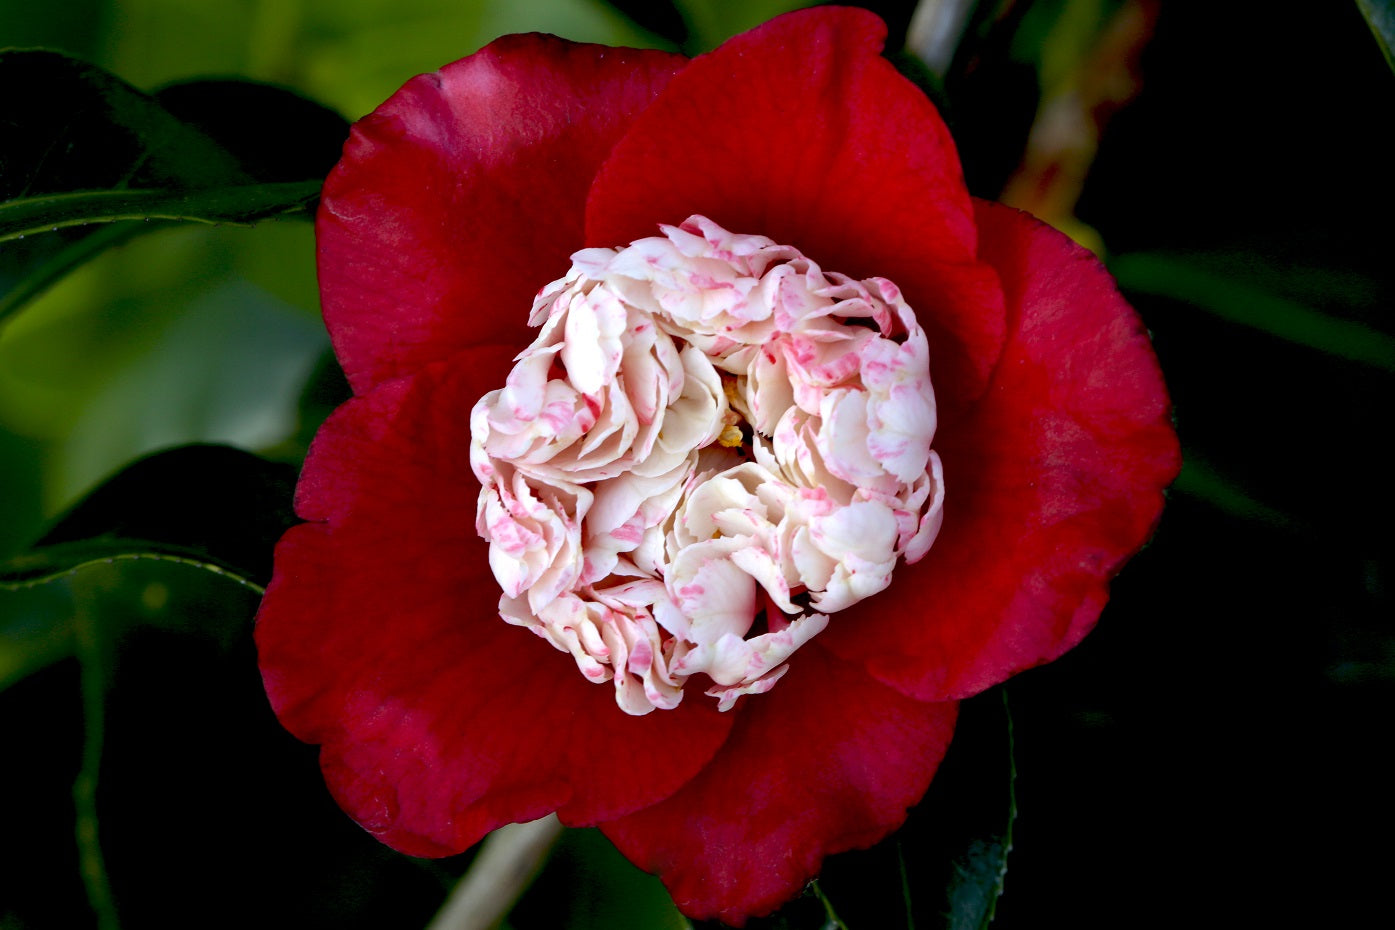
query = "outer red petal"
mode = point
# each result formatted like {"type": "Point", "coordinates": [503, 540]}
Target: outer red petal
{"type": "Point", "coordinates": [799, 130]}
{"type": "Point", "coordinates": [829, 760]}
{"type": "Point", "coordinates": [464, 193]}
{"type": "Point", "coordinates": [1051, 482]}
{"type": "Point", "coordinates": [379, 638]}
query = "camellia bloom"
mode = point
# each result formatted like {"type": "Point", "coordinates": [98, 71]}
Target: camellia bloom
{"type": "Point", "coordinates": [711, 375]}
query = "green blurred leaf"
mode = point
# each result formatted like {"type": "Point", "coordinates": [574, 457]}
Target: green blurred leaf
{"type": "Point", "coordinates": [1201, 480]}
{"type": "Point", "coordinates": [587, 885]}
{"type": "Point", "coordinates": [36, 629]}
{"type": "Point", "coordinates": [55, 256]}
{"type": "Point", "coordinates": [194, 335]}
{"type": "Point", "coordinates": [1380, 16]}
{"type": "Point", "coordinates": [351, 54]}
{"type": "Point", "coordinates": [325, 390]}
{"type": "Point", "coordinates": [1179, 278]}
{"type": "Point", "coordinates": [712, 22]}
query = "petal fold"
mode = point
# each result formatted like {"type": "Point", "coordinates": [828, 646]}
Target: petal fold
{"type": "Point", "coordinates": [464, 193]}
{"type": "Point", "coordinates": [800, 131]}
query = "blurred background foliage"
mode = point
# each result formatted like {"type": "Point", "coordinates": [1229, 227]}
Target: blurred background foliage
{"type": "Point", "coordinates": [1222, 729]}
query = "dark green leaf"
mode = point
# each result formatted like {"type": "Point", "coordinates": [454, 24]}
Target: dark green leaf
{"type": "Point", "coordinates": [1240, 302]}
{"type": "Point", "coordinates": [275, 134]}
{"type": "Point", "coordinates": [71, 126]}
{"type": "Point", "coordinates": [215, 507]}
{"type": "Point", "coordinates": [79, 147]}
{"type": "Point", "coordinates": [242, 203]}
{"type": "Point", "coordinates": [1201, 480]}
{"type": "Point", "coordinates": [1380, 16]}
{"type": "Point", "coordinates": [944, 870]}
{"type": "Point", "coordinates": [48, 563]}
{"type": "Point", "coordinates": [980, 869]}
{"type": "Point", "coordinates": [36, 629]}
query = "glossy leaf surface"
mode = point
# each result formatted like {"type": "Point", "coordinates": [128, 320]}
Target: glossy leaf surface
{"type": "Point", "coordinates": [87, 149]}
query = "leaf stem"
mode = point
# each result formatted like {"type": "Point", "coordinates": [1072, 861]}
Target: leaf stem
{"type": "Point", "coordinates": [92, 863]}
{"type": "Point", "coordinates": [905, 887]}
{"type": "Point", "coordinates": [834, 922]}
{"type": "Point", "coordinates": [507, 861]}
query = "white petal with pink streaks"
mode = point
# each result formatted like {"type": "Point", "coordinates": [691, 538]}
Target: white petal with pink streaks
{"type": "Point", "coordinates": [711, 447]}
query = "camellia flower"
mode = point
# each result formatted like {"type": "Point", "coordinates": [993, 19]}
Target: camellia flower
{"type": "Point", "coordinates": [711, 375]}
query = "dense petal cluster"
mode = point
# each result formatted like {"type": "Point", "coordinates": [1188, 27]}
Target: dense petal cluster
{"type": "Point", "coordinates": [734, 404]}
{"type": "Point", "coordinates": [709, 429]}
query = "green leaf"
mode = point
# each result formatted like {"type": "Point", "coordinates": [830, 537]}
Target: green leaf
{"type": "Point", "coordinates": [1201, 480]}
{"type": "Point", "coordinates": [212, 507]}
{"type": "Point", "coordinates": [36, 629]}
{"type": "Point", "coordinates": [274, 133]}
{"type": "Point", "coordinates": [587, 885]}
{"type": "Point", "coordinates": [55, 256]}
{"type": "Point", "coordinates": [72, 126]}
{"type": "Point", "coordinates": [1236, 300]}
{"type": "Point", "coordinates": [80, 148]}
{"type": "Point", "coordinates": [243, 204]}
{"type": "Point", "coordinates": [981, 868]}
{"type": "Point", "coordinates": [1380, 16]}
{"type": "Point", "coordinates": [49, 563]}
{"type": "Point", "coordinates": [943, 870]}
{"type": "Point", "coordinates": [712, 22]}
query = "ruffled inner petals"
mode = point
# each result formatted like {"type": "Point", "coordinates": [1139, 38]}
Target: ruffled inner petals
{"type": "Point", "coordinates": [634, 397]}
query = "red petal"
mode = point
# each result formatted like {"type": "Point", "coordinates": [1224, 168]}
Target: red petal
{"type": "Point", "coordinates": [827, 761]}
{"type": "Point", "coordinates": [463, 195]}
{"type": "Point", "coordinates": [379, 638]}
{"type": "Point", "coordinates": [1051, 482]}
{"type": "Point", "coordinates": [799, 130]}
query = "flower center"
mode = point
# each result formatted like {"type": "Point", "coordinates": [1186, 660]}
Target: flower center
{"type": "Point", "coordinates": [711, 446]}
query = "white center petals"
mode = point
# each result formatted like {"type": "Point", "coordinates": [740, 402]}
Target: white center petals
{"type": "Point", "coordinates": [711, 447]}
